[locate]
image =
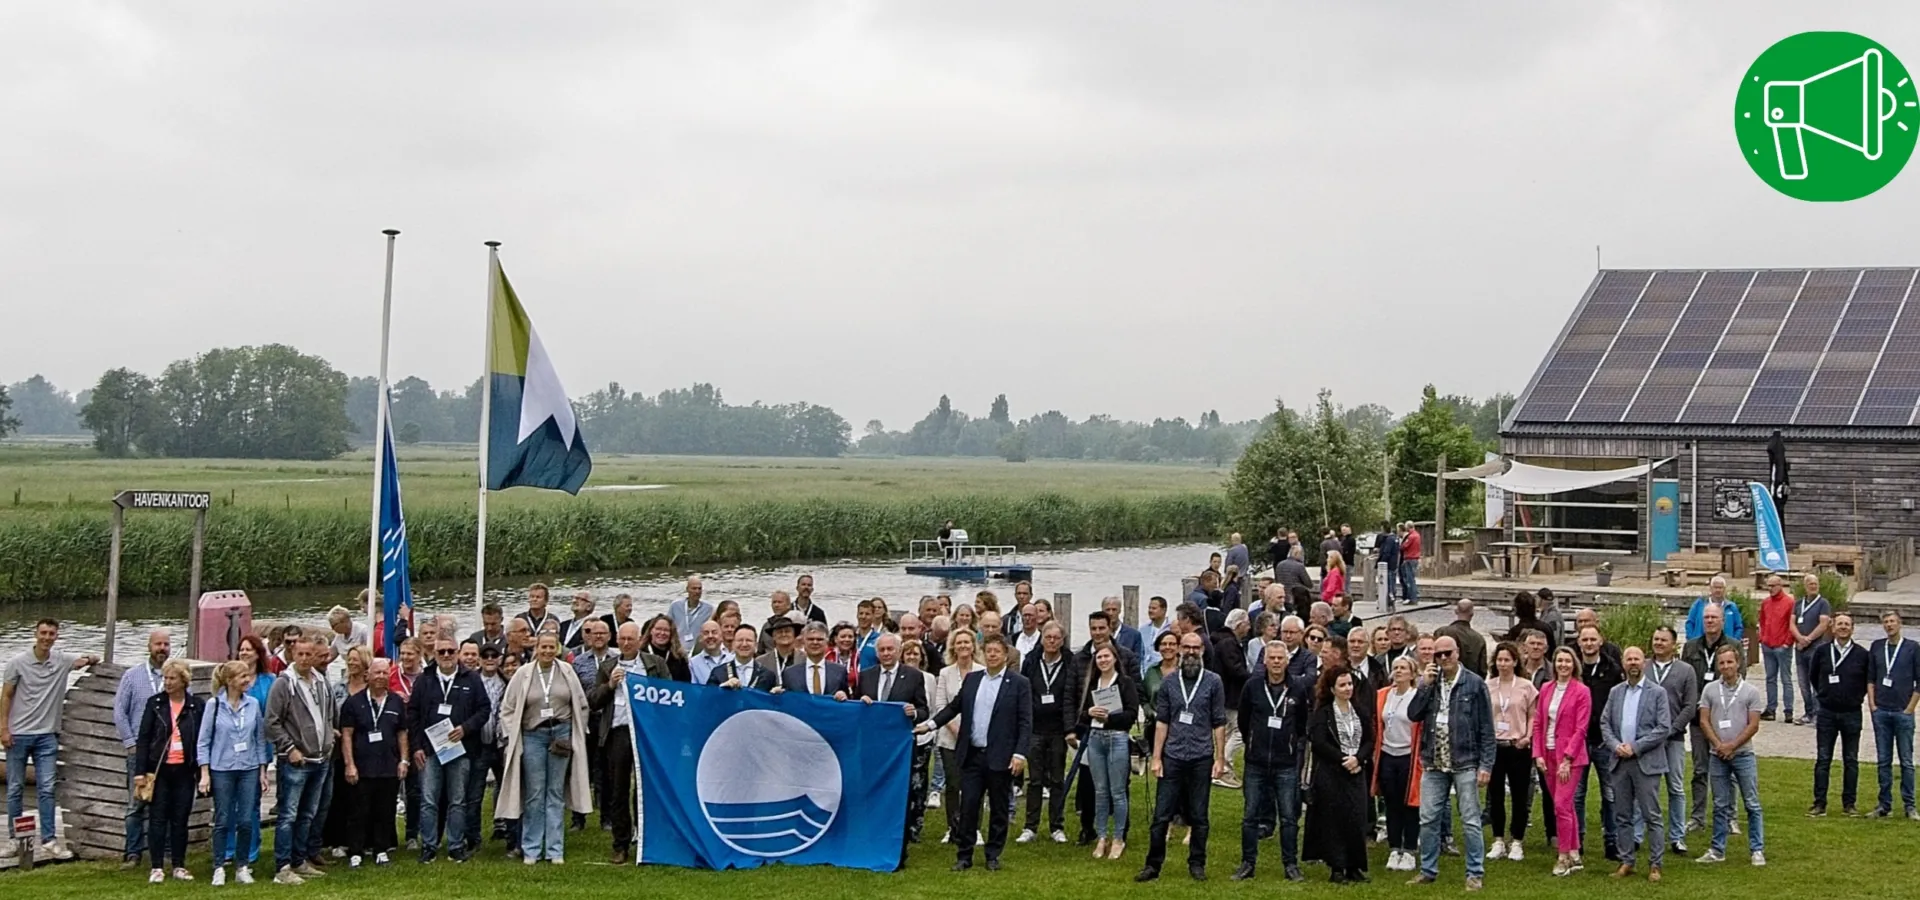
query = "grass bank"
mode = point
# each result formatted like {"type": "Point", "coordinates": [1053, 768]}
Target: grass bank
{"type": "Point", "coordinates": [1833, 857]}
{"type": "Point", "coordinates": [292, 525]}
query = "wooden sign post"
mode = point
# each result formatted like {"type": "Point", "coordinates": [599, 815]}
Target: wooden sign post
{"type": "Point", "coordinates": [199, 502]}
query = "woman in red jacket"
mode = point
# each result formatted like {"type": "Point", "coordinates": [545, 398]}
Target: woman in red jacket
{"type": "Point", "coordinates": [1334, 583]}
{"type": "Point", "coordinates": [1560, 717]}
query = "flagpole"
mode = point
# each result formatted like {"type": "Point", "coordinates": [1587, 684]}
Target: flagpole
{"type": "Point", "coordinates": [380, 442]}
{"type": "Point", "coordinates": [486, 424]}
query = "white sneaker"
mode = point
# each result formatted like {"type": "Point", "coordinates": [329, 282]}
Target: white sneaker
{"type": "Point", "coordinates": [980, 839]}
{"type": "Point", "coordinates": [338, 852]}
{"type": "Point", "coordinates": [157, 876]}
{"type": "Point", "coordinates": [1759, 858]}
{"type": "Point", "coordinates": [219, 876]}
{"type": "Point", "coordinates": [353, 862]}
{"type": "Point", "coordinates": [286, 876]}
{"type": "Point", "coordinates": [933, 800]}
{"type": "Point", "coordinates": [1026, 836]}
{"type": "Point", "coordinates": [530, 860]}
{"type": "Point", "coordinates": [380, 859]}
{"type": "Point", "coordinates": [243, 875]}
{"type": "Point", "coordinates": [1711, 856]}
{"type": "Point", "coordinates": [1498, 850]}
{"type": "Point", "coordinates": [1393, 860]}
{"type": "Point", "coordinates": [556, 860]}
{"type": "Point", "coordinates": [1059, 837]}
{"type": "Point", "coordinates": [1513, 852]}
{"type": "Point", "coordinates": [182, 875]}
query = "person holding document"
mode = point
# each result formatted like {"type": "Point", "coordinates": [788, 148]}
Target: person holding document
{"type": "Point", "coordinates": [1107, 711]}
{"type": "Point", "coordinates": [449, 713]}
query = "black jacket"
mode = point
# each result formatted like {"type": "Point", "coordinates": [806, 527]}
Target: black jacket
{"type": "Point", "coordinates": [1230, 663]}
{"type": "Point", "coordinates": [1056, 717]}
{"type": "Point", "coordinates": [471, 709]}
{"type": "Point", "coordinates": [909, 687]}
{"type": "Point", "coordinates": [606, 690]}
{"type": "Point", "coordinates": [1266, 745]}
{"type": "Point", "coordinates": [1010, 728]}
{"type": "Point", "coordinates": [156, 728]}
{"type": "Point", "coordinates": [1118, 720]}
{"type": "Point", "coordinates": [764, 678]}
{"type": "Point", "coordinates": [1601, 678]}
{"type": "Point", "coordinates": [1851, 690]}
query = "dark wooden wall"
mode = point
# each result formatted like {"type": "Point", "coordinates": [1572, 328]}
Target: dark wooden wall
{"type": "Point", "coordinates": [1843, 493]}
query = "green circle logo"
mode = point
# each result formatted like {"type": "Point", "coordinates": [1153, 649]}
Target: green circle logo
{"type": "Point", "coordinates": [1827, 115]}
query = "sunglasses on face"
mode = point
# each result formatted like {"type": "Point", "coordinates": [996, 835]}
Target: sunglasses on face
{"type": "Point", "coordinates": [446, 652]}
{"type": "Point", "coordinates": [1443, 654]}
{"type": "Point", "coordinates": [1314, 639]}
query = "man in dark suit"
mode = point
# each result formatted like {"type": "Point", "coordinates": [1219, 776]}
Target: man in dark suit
{"type": "Point", "coordinates": [995, 708]}
{"type": "Point", "coordinates": [742, 670]}
{"type": "Point", "coordinates": [891, 682]}
{"type": "Point", "coordinates": [814, 673]}
{"type": "Point", "coordinates": [453, 694]}
{"type": "Point", "coordinates": [613, 723]}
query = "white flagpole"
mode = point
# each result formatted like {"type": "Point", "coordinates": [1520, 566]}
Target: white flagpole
{"type": "Point", "coordinates": [380, 443]}
{"type": "Point", "coordinates": [486, 423]}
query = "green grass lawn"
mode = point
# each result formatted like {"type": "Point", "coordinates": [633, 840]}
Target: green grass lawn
{"type": "Point", "coordinates": [38, 477]}
{"type": "Point", "coordinates": [1827, 858]}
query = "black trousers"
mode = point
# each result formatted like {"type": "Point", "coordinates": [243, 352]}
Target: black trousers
{"type": "Point", "coordinates": [1403, 821]}
{"type": "Point", "coordinates": [373, 803]}
{"type": "Point", "coordinates": [167, 815]}
{"type": "Point", "coordinates": [1830, 725]}
{"type": "Point", "coordinates": [1185, 789]}
{"type": "Point", "coordinates": [1046, 770]}
{"type": "Point", "coordinates": [977, 783]}
{"type": "Point", "coordinates": [917, 779]}
{"type": "Point", "coordinates": [616, 772]}
{"type": "Point", "coordinates": [1512, 776]}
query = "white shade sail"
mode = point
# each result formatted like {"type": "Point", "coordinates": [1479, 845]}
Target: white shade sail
{"type": "Point", "coordinates": [1520, 478]}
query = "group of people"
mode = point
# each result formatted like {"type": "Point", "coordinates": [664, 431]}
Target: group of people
{"type": "Point", "coordinates": [1342, 733]}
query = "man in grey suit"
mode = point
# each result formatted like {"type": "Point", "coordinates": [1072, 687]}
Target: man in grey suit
{"type": "Point", "coordinates": [1635, 726]}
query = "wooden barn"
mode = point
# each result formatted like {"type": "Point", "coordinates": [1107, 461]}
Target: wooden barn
{"type": "Point", "coordinates": [1704, 369]}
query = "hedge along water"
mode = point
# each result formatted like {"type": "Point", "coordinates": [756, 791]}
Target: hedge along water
{"type": "Point", "coordinates": [63, 556]}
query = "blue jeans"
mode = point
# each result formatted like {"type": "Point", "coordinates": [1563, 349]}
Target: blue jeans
{"type": "Point", "coordinates": [236, 816]}
{"type": "Point", "coordinates": [1434, 787]}
{"type": "Point", "coordinates": [443, 787]}
{"type": "Point", "coordinates": [1272, 791]}
{"type": "Point", "coordinates": [136, 814]}
{"type": "Point", "coordinates": [41, 749]}
{"type": "Point", "coordinates": [1601, 766]}
{"type": "Point", "coordinates": [1803, 671]}
{"type": "Point", "coordinates": [1779, 668]}
{"type": "Point", "coordinates": [1743, 770]}
{"type": "Point", "coordinates": [1409, 586]}
{"type": "Point", "coordinates": [1107, 762]}
{"type": "Point", "coordinates": [543, 792]}
{"type": "Point", "coordinates": [296, 829]}
{"type": "Point", "coordinates": [1894, 730]}
{"type": "Point", "coordinates": [476, 788]}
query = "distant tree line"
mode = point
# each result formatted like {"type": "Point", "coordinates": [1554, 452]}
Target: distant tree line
{"type": "Point", "coordinates": [946, 431]}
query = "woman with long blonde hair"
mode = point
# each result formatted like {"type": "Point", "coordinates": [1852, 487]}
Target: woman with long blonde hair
{"type": "Point", "coordinates": [960, 661]}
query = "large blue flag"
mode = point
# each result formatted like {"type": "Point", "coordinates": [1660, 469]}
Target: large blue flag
{"type": "Point", "coordinates": [396, 582]}
{"type": "Point", "coordinates": [1770, 539]}
{"type": "Point", "coordinates": [744, 778]}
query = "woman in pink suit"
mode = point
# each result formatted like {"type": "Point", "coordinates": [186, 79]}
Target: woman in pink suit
{"type": "Point", "coordinates": [1560, 749]}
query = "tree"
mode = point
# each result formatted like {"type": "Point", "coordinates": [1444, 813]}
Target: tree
{"type": "Point", "coordinates": [1370, 419]}
{"type": "Point", "coordinates": [998, 414]}
{"type": "Point", "coordinates": [42, 408]}
{"type": "Point", "coordinates": [120, 412]}
{"type": "Point", "coordinates": [269, 402]}
{"type": "Point", "coordinates": [1013, 446]}
{"type": "Point", "coordinates": [409, 433]}
{"type": "Point", "coordinates": [1305, 473]}
{"type": "Point", "coordinates": [1417, 443]}
{"type": "Point", "coordinates": [7, 423]}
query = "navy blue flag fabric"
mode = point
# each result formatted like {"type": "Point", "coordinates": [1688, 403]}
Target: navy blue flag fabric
{"type": "Point", "coordinates": [744, 778]}
{"type": "Point", "coordinates": [396, 581]}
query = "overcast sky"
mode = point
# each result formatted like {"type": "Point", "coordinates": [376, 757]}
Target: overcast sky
{"type": "Point", "coordinates": [1142, 209]}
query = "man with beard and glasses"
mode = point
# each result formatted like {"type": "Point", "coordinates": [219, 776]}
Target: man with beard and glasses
{"type": "Point", "coordinates": [1189, 751]}
{"type": "Point", "coordinates": [1634, 726]}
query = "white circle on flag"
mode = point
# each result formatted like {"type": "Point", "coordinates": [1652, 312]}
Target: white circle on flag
{"type": "Point", "coordinates": [769, 785]}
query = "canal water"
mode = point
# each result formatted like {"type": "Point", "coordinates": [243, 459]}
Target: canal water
{"type": "Point", "coordinates": [1088, 574]}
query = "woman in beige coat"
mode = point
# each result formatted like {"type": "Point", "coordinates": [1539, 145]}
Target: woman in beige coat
{"type": "Point", "coordinates": [543, 715]}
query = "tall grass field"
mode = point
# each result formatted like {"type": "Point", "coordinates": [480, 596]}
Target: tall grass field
{"type": "Point", "coordinates": [279, 524]}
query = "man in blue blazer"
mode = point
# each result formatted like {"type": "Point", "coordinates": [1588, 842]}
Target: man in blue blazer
{"type": "Point", "coordinates": [742, 670]}
{"type": "Point", "coordinates": [995, 707]}
{"type": "Point", "coordinates": [1635, 726]}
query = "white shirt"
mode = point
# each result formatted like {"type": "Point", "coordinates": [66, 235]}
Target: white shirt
{"type": "Point", "coordinates": [983, 703]}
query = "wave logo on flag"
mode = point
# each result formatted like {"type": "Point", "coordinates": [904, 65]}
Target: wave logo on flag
{"type": "Point", "coordinates": [766, 813]}
{"type": "Point", "coordinates": [1769, 538]}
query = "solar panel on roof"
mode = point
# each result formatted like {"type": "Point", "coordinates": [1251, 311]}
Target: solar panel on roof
{"type": "Point", "coordinates": [1634, 351]}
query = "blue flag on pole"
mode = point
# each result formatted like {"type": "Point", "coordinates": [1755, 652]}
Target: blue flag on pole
{"type": "Point", "coordinates": [396, 582]}
{"type": "Point", "coordinates": [1769, 539]}
{"type": "Point", "coordinates": [744, 778]}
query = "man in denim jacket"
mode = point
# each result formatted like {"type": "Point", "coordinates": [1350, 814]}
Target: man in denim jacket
{"type": "Point", "coordinates": [1456, 748]}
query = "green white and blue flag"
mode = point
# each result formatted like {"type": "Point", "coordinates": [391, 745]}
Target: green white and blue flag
{"type": "Point", "coordinates": [533, 438]}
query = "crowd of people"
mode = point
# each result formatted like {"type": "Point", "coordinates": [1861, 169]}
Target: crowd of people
{"type": "Point", "coordinates": [1341, 732]}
